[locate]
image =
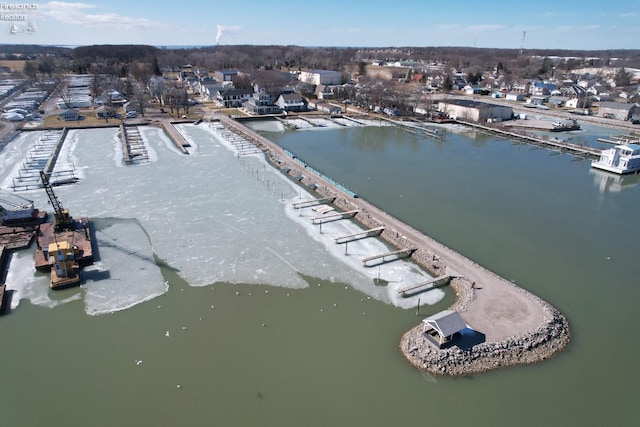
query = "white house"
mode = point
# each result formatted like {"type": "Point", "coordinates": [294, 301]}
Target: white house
{"type": "Point", "coordinates": [291, 102]}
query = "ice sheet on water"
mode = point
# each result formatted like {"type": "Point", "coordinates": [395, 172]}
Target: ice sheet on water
{"type": "Point", "coordinates": [111, 287]}
{"type": "Point", "coordinates": [30, 285]}
{"type": "Point", "coordinates": [212, 216]}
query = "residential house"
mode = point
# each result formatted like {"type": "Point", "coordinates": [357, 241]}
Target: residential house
{"type": "Point", "coordinates": [102, 112]}
{"type": "Point", "coordinates": [69, 115]}
{"type": "Point", "coordinates": [541, 89]}
{"type": "Point", "coordinates": [326, 107]}
{"type": "Point", "coordinates": [324, 92]}
{"type": "Point", "coordinates": [558, 101]}
{"type": "Point", "coordinates": [515, 96]}
{"type": "Point", "coordinates": [261, 103]}
{"type": "Point", "coordinates": [209, 88]}
{"type": "Point", "coordinates": [538, 100]}
{"type": "Point", "coordinates": [291, 102]}
{"type": "Point", "coordinates": [225, 75]}
{"type": "Point", "coordinates": [233, 98]}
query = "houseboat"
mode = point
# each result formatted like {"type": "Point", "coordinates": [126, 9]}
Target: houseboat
{"type": "Point", "coordinates": [622, 159]}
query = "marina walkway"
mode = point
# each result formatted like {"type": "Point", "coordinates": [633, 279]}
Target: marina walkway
{"type": "Point", "coordinates": [553, 143]}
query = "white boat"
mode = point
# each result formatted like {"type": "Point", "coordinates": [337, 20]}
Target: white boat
{"type": "Point", "coordinates": [622, 159]}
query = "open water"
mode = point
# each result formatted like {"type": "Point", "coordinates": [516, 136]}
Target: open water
{"type": "Point", "coordinates": [214, 302]}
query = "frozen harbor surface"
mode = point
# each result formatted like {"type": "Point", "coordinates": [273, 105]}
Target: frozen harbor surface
{"type": "Point", "coordinates": [211, 216]}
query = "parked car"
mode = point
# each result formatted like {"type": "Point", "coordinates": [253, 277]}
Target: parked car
{"type": "Point", "coordinates": [132, 115]}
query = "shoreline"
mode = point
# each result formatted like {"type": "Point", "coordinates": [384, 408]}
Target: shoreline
{"type": "Point", "coordinates": [519, 327]}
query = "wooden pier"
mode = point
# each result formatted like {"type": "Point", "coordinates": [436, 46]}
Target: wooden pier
{"type": "Point", "coordinates": [53, 157]}
{"type": "Point", "coordinates": [175, 136]}
{"type": "Point", "coordinates": [313, 202]}
{"type": "Point", "coordinates": [424, 286]}
{"type": "Point", "coordinates": [335, 216]}
{"type": "Point", "coordinates": [406, 252]}
{"type": "Point", "coordinates": [355, 236]}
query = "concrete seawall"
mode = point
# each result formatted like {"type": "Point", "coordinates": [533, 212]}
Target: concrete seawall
{"type": "Point", "coordinates": [518, 327]}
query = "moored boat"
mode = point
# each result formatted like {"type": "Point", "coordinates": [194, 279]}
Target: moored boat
{"type": "Point", "coordinates": [622, 159]}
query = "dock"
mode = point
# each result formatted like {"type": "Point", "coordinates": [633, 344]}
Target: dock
{"type": "Point", "coordinates": [313, 202]}
{"type": "Point", "coordinates": [406, 252]}
{"type": "Point", "coordinates": [335, 216]}
{"type": "Point", "coordinates": [424, 286]}
{"type": "Point", "coordinates": [359, 235]}
{"type": "Point", "coordinates": [551, 143]}
{"type": "Point", "coordinates": [42, 156]}
{"type": "Point", "coordinates": [621, 139]}
{"type": "Point", "coordinates": [175, 136]}
{"type": "Point", "coordinates": [133, 146]}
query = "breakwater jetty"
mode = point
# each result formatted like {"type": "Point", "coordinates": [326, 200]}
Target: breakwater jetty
{"type": "Point", "coordinates": [517, 327]}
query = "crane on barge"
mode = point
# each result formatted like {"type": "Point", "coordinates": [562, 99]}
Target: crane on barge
{"type": "Point", "coordinates": [62, 246]}
{"type": "Point", "coordinates": [62, 218]}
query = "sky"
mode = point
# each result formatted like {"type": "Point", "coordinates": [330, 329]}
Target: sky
{"type": "Point", "coordinates": [540, 24]}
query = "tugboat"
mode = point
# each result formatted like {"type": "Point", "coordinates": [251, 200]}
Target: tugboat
{"type": "Point", "coordinates": [565, 125]}
{"type": "Point", "coordinates": [63, 247]}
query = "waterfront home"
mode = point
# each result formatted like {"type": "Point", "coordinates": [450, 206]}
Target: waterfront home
{"type": "Point", "coordinates": [326, 107]}
{"type": "Point", "coordinates": [291, 102]}
{"type": "Point", "coordinates": [233, 98]}
{"type": "Point", "coordinates": [261, 103]}
{"type": "Point", "coordinates": [69, 115]}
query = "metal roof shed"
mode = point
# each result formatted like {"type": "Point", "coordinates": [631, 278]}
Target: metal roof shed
{"type": "Point", "coordinates": [442, 327]}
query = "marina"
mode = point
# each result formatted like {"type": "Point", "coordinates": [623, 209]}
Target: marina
{"type": "Point", "coordinates": [207, 340]}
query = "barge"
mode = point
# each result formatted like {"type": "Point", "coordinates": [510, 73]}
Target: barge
{"type": "Point", "coordinates": [64, 246]}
